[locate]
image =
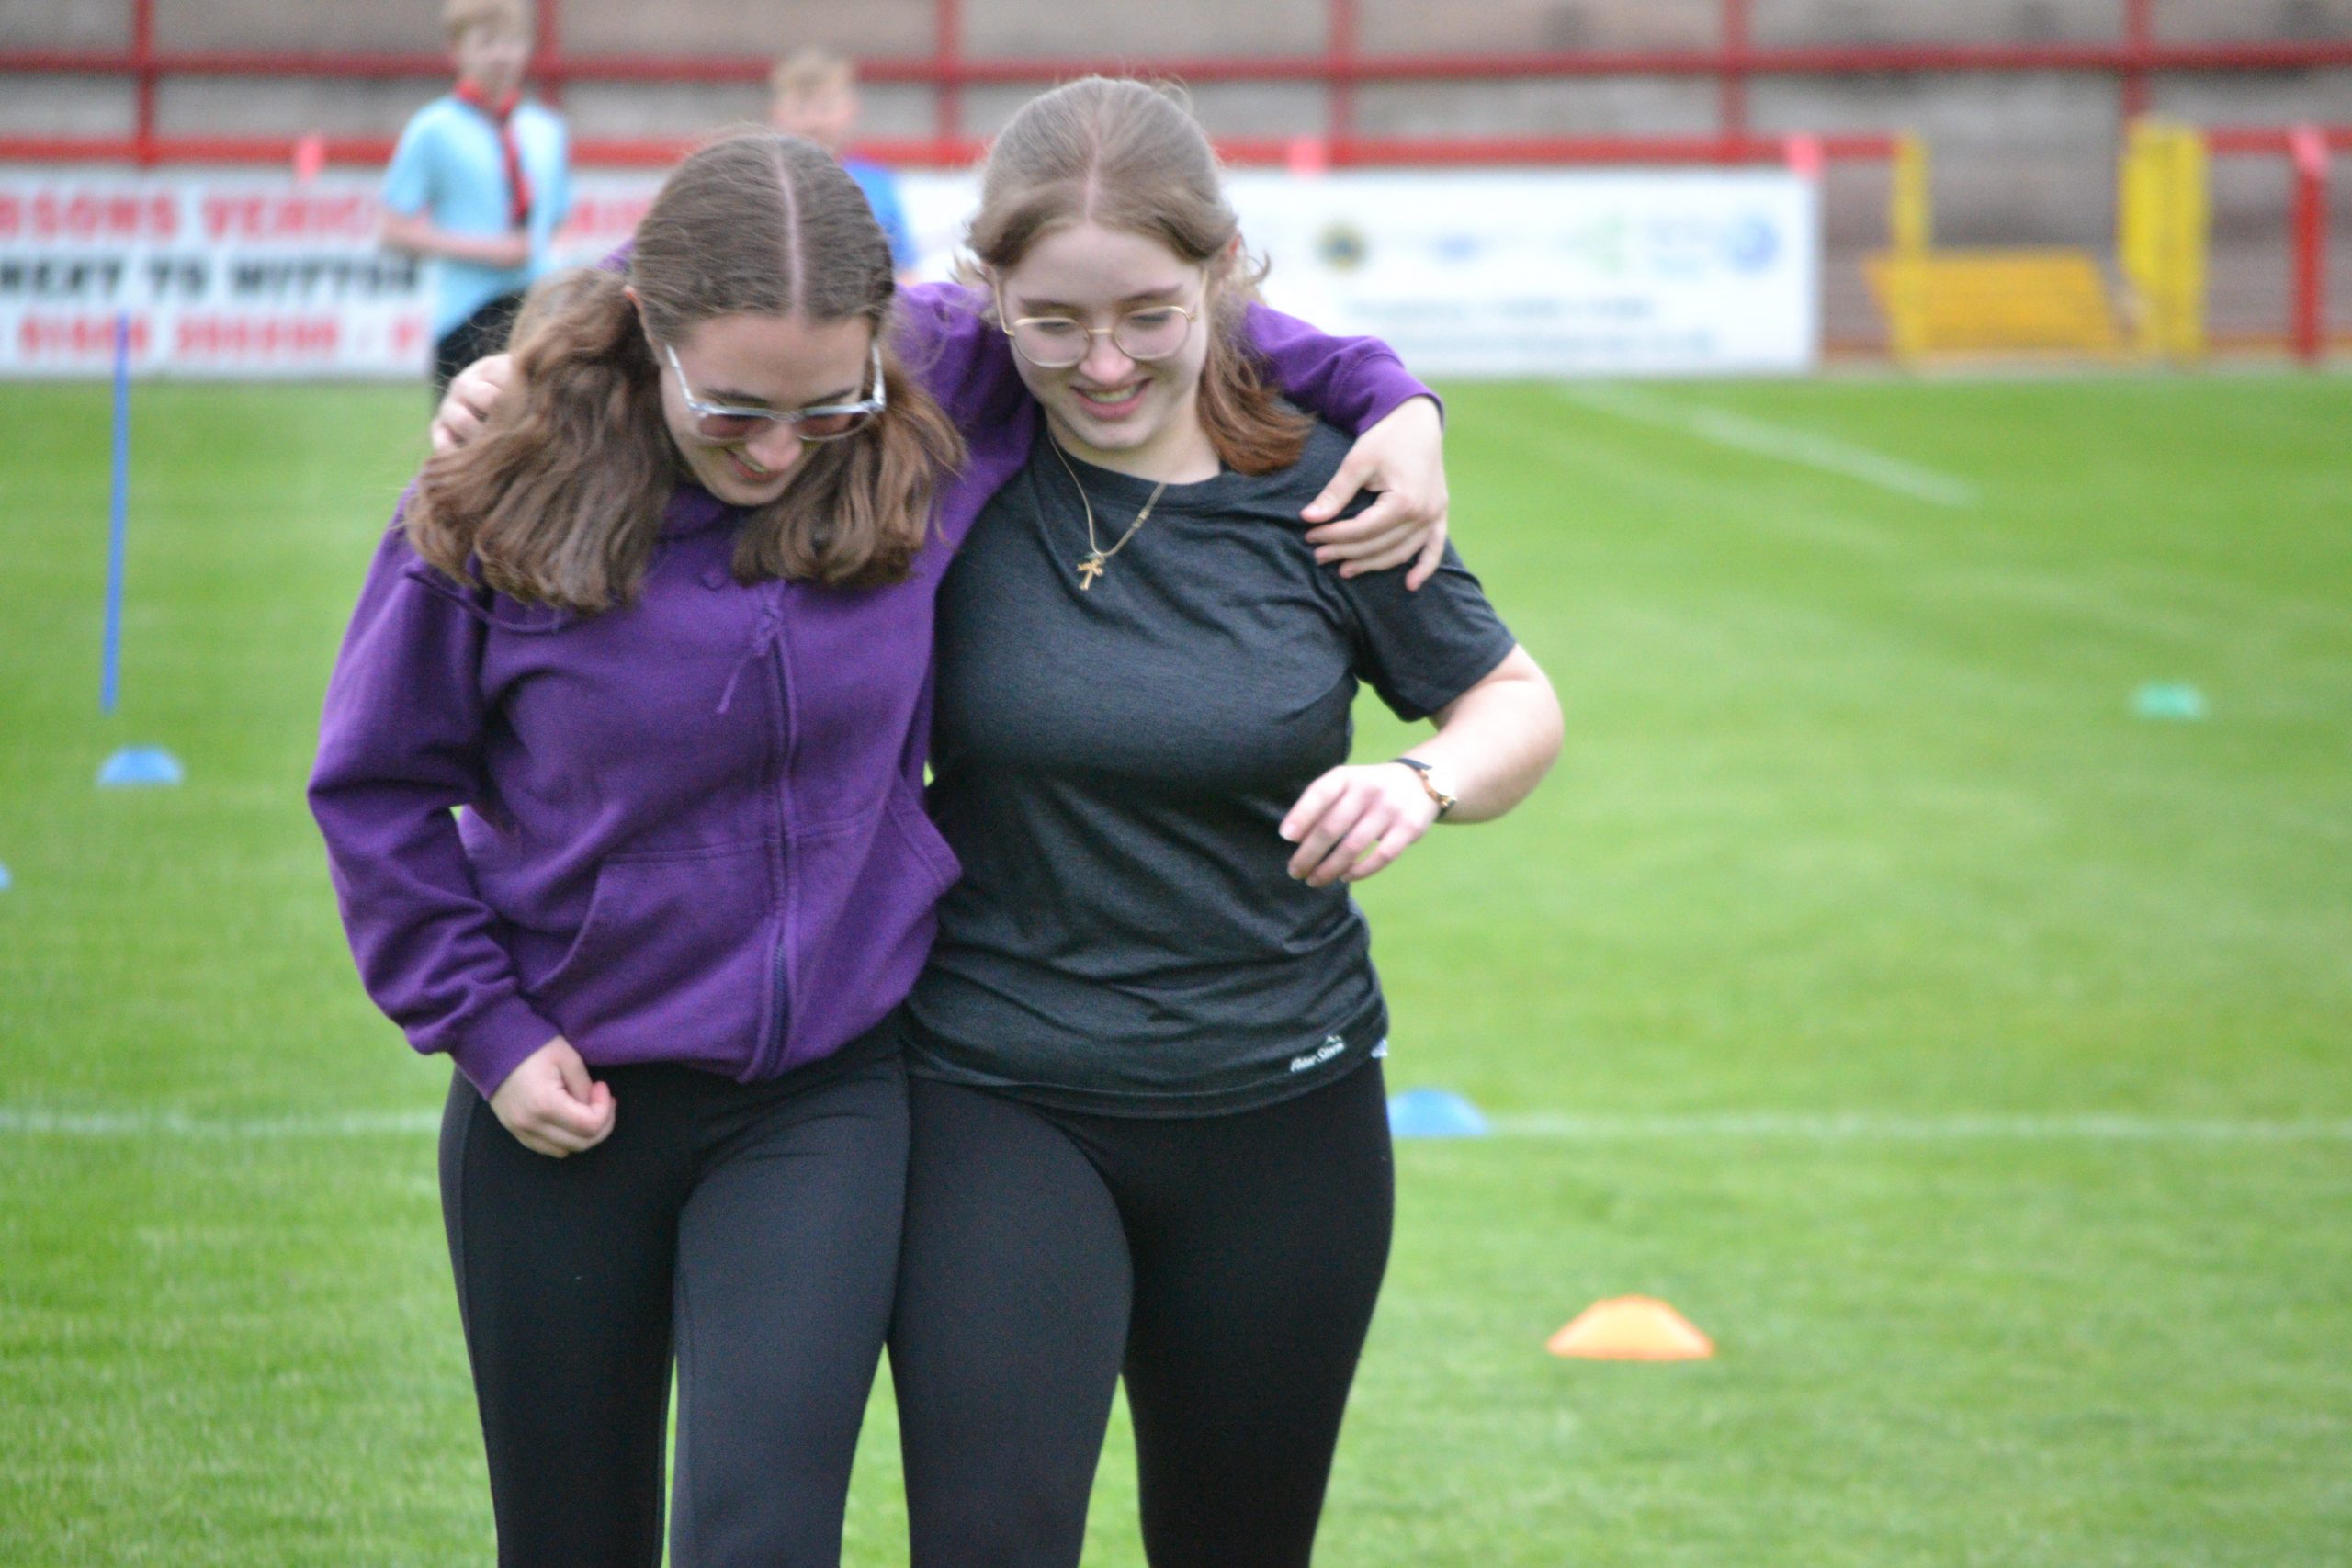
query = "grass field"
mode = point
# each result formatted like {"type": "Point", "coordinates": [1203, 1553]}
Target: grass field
{"type": "Point", "coordinates": [1971, 1057]}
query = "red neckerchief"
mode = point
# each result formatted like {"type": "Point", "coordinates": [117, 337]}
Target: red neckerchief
{"type": "Point", "coordinates": [502, 115]}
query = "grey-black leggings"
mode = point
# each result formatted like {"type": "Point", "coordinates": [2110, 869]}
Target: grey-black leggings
{"type": "Point", "coordinates": [1227, 1264]}
{"type": "Point", "coordinates": [754, 1229]}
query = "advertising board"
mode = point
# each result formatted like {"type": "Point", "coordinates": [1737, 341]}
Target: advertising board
{"type": "Point", "coordinates": [238, 273]}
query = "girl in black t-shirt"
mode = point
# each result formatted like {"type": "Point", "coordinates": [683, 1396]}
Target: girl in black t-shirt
{"type": "Point", "coordinates": [1150, 1131]}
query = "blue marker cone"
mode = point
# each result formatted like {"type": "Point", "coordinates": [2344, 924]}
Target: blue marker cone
{"type": "Point", "coordinates": [2168, 699]}
{"type": "Point", "coordinates": [1433, 1113]}
{"type": "Point", "coordinates": [4, 879]}
{"type": "Point", "coordinates": [141, 767]}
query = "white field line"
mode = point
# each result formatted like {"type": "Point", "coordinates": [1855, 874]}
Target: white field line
{"type": "Point", "coordinates": [1789, 445]}
{"type": "Point", "coordinates": [1786, 1126]}
{"type": "Point", "coordinates": [22, 1122]}
{"type": "Point", "coordinates": [1798, 1127]}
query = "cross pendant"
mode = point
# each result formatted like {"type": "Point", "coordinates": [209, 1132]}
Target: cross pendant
{"type": "Point", "coordinates": [1089, 569]}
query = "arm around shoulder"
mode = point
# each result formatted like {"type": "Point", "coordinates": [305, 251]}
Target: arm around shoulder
{"type": "Point", "coordinates": [1354, 382]}
{"type": "Point", "coordinates": [1361, 387]}
{"type": "Point", "coordinates": [947, 342]}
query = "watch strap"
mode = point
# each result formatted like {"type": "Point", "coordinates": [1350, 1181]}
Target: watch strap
{"type": "Point", "coordinates": [1427, 774]}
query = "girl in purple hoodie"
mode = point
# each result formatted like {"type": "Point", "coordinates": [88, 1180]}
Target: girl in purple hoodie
{"type": "Point", "coordinates": [620, 776]}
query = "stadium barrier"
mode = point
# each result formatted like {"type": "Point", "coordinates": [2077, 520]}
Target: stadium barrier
{"type": "Point", "coordinates": [2309, 149]}
{"type": "Point", "coordinates": [2066, 301]}
{"type": "Point", "coordinates": [1945, 302]}
{"type": "Point", "coordinates": [1980, 301]}
{"type": "Point", "coordinates": [1734, 62]}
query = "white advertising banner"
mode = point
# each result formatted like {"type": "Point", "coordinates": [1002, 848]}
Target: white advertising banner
{"type": "Point", "coordinates": [233, 273]}
{"type": "Point", "coordinates": [1550, 273]}
{"type": "Point", "coordinates": [1638, 272]}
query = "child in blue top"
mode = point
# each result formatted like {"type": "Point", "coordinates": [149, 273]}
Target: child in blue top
{"type": "Point", "coordinates": [480, 183]}
{"type": "Point", "coordinates": [814, 94]}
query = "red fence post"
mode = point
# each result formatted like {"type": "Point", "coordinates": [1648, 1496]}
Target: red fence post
{"type": "Point", "coordinates": [1339, 55]}
{"type": "Point", "coordinates": [1732, 90]}
{"type": "Point", "coordinates": [142, 64]}
{"type": "Point", "coordinates": [2309, 146]}
{"type": "Point", "coordinates": [546, 51]}
{"type": "Point", "coordinates": [947, 53]}
{"type": "Point", "coordinates": [2139, 45]}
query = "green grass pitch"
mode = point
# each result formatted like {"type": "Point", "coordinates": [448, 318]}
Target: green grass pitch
{"type": "Point", "coordinates": [1967, 1054]}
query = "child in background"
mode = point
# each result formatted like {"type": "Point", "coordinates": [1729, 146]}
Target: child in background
{"type": "Point", "coordinates": [479, 184]}
{"type": "Point", "coordinates": [815, 94]}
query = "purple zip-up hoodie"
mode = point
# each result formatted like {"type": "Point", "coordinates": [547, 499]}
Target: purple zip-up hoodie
{"type": "Point", "coordinates": [693, 826]}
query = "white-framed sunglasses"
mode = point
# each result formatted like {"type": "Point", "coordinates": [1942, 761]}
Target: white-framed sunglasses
{"type": "Point", "coordinates": [1056, 343]}
{"type": "Point", "coordinates": [821, 422]}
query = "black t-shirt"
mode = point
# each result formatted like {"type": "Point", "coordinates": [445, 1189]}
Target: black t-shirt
{"type": "Point", "coordinates": [1111, 765]}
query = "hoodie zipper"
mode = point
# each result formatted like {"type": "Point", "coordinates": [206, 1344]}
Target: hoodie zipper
{"type": "Point", "coordinates": [779, 1043]}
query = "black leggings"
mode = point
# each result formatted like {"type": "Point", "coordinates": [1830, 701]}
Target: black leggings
{"type": "Point", "coordinates": [1227, 1264]}
{"type": "Point", "coordinates": [757, 1228]}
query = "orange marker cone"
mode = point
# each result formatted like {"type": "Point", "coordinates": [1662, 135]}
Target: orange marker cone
{"type": "Point", "coordinates": [1631, 1328]}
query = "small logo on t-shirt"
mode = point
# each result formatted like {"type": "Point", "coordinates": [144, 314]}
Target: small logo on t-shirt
{"type": "Point", "coordinates": [1332, 1045]}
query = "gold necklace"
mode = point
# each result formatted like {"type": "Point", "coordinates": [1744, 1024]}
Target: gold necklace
{"type": "Point", "coordinates": [1098, 560]}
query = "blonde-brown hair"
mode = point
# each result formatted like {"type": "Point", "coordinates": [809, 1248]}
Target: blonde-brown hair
{"type": "Point", "coordinates": [559, 499]}
{"type": "Point", "coordinates": [456, 16]}
{"type": "Point", "coordinates": [1130, 156]}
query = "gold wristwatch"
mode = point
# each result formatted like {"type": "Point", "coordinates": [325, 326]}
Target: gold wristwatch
{"type": "Point", "coordinates": [1428, 775]}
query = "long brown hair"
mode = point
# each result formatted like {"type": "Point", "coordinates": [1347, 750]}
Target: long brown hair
{"type": "Point", "coordinates": [559, 499]}
{"type": "Point", "coordinates": [1130, 156]}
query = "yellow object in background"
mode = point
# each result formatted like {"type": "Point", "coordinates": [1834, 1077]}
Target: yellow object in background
{"type": "Point", "coordinates": [2039, 300]}
{"type": "Point", "coordinates": [1910, 207]}
{"type": "Point", "coordinates": [2163, 221]}
{"type": "Point", "coordinates": [1994, 301]}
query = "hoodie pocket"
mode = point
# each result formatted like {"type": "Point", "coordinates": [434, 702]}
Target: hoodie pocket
{"type": "Point", "coordinates": [915, 827]}
{"type": "Point", "coordinates": [673, 959]}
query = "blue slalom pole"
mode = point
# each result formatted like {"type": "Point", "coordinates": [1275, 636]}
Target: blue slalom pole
{"type": "Point", "coordinates": [119, 516]}
{"type": "Point", "coordinates": [133, 766]}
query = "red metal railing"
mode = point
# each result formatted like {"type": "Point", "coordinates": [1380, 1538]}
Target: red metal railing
{"type": "Point", "coordinates": [2135, 56]}
{"type": "Point", "coordinates": [2311, 245]}
{"type": "Point", "coordinates": [1359, 151]}
{"type": "Point", "coordinates": [1731, 86]}
{"type": "Point", "coordinates": [2139, 38]}
{"type": "Point", "coordinates": [2307, 148]}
